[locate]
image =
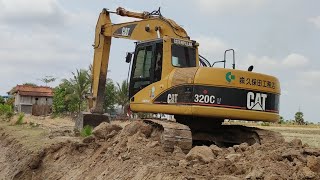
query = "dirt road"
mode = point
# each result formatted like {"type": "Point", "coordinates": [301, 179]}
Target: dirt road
{"type": "Point", "coordinates": [132, 151]}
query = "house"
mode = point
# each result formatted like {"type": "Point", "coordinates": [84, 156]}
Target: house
{"type": "Point", "coordinates": [35, 100]}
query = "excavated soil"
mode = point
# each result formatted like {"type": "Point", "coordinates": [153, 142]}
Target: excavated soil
{"type": "Point", "coordinates": [133, 151]}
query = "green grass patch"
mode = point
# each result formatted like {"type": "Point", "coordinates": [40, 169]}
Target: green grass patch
{"type": "Point", "coordinates": [265, 124]}
{"type": "Point", "coordinates": [20, 119]}
{"type": "Point", "coordinates": [86, 131]}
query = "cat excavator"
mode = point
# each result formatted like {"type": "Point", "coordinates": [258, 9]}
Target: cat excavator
{"type": "Point", "coordinates": [169, 76]}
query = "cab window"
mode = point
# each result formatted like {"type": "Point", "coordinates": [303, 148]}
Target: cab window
{"type": "Point", "coordinates": [183, 56]}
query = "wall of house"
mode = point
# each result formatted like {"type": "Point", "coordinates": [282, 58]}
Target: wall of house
{"type": "Point", "coordinates": [33, 100]}
{"type": "Point", "coordinates": [17, 99]}
{"type": "Point", "coordinates": [41, 100]}
{"type": "Point", "coordinates": [30, 105]}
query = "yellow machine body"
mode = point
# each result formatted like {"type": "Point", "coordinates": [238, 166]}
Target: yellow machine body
{"type": "Point", "coordinates": [219, 93]}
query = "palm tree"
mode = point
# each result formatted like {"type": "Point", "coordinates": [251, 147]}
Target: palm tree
{"type": "Point", "coordinates": [80, 85]}
{"type": "Point", "coordinates": [122, 97]}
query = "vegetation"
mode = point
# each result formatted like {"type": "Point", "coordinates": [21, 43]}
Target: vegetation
{"type": "Point", "coordinates": [265, 124]}
{"type": "Point", "coordinates": [48, 79]}
{"type": "Point", "coordinates": [2, 101]}
{"type": "Point", "coordinates": [69, 96]}
{"type": "Point", "coordinates": [110, 98]}
{"type": "Point", "coordinates": [122, 97]}
{"type": "Point", "coordinates": [6, 111]}
{"type": "Point", "coordinates": [20, 119]}
{"type": "Point", "coordinates": [33, 125]}
{"type": "Point", "coordinates": [80, 84]}
{"type": "Point", "coordinates": [299, 118]}
{"type": "Point", "coordinates": [281, 120]}
{"type": "Point", "coordinates": [86, 131]}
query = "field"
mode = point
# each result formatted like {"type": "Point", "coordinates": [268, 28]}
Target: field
{"type": "Point", "coordinates": [45, 148]}
{"type": "Point", "coordinates": [309, 135]}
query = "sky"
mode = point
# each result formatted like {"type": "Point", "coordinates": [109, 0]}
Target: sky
{"type": "Point", "coordinates": [41, 38]}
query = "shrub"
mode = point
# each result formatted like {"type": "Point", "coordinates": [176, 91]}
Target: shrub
{"type": "Point", "coordinates": [86, 131]}
{"type": "Point", "coordinates": [9, 115]}
{"type": "Point", "coordinates": [20, 119]}
{"type": "Point", "coordinates": [6, 111]}
{"type": "Point", "coordinates": [32, 124]}
{"type": "Point", "coordinates": [265, 124]}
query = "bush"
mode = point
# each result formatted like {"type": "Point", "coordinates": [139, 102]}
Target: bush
{"type": "Point", "coordinates": [6, 111]}
{"type": "Point", "coordinates": [265, 124]}
{"type": "Point", "coordinates": [32, 124]}
{"type": "Point", "coordinates": [20, 119]}
{"type": "Point", "coordinates": [86, 131]}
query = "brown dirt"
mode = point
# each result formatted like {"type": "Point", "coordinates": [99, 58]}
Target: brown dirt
{"type": "Point", "coordinates": [132, 151]}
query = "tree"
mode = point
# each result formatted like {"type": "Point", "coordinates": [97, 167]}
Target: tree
{"type": "Point", "coordinates": [281, 120]}
{"type": "Point", "coordinates": [29, 84]}
{"type": "Point", "coordinates": [69, 96]}
{"type": "Point", "coordinates": [80, 84]}
{"type": "Point", "coordinates": [59, 99]}
{"type": "Point", "coordinates": [122, 97]}
{"type": "Point", "coordinates": [48, 79]}
{"type": "Point", "coordinates": [299, 118]}
{"type": "Point", "coordinates": [110, 98]}
{"type": "Point", "coordinates": [10, 102]}
{"type": "Point", "coordinates": [2, 101]}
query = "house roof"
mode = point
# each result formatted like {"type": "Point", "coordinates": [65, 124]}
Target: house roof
{"type": "Point", "coordinates": [28, 90]}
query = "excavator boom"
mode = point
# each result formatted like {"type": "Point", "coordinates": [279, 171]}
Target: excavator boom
{"type": "Point", "coordinates": [150, 26]}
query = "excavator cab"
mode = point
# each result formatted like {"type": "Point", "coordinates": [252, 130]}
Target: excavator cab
{"type": "Point", "coordinates": [146, 66]}
{"type": "Point", "coordinates": [156, 59]}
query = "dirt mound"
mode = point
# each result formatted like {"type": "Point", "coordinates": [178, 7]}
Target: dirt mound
{"type": "Point", "coordinates": [134, 152]}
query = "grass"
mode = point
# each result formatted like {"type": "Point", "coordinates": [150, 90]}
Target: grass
{"type": "Point", "coordinates": [86, 131]}
{"type": "Point", "coordinates": [32, 124]}
{"type": "Point", "coordinates": [265, 124]}
{"type": "Point", "coordinates": [20, 119]}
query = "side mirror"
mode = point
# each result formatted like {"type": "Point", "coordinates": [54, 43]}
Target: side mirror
{"type": "Point", "coordinates": [250, 68]}
{"type": "Point", "coordinates": [128, 57]}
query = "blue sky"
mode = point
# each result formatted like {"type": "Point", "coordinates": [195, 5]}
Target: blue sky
{"type": "Point", "coordinates": [281, 38]}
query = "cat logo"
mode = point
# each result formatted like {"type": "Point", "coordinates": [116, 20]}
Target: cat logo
{"type": "Point", "coordinates": [172, 98]}
{"type": "Point", "coordinates": [256, 101]}
{"type": "Point", "coordinates": [125, 31]}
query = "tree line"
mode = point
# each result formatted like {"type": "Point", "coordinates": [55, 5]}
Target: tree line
{"type": "Point", "coordinates": [70, 94]}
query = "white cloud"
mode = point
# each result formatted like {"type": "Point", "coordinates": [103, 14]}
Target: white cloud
{"type": "Point", "coordinates": [270, 64]}
{"type": "Point", "coordinates": [31, 12]}
{"type": "Point", "coordinates": [309, 79]}
{"type": "Point", "coordinates": [295, 60]}
{"type": "Point", "coordinates": [228, 6]}
{"type": "Point", "coordinates": [211, 47]}
{"type": "Point", "coordinates": [37, 39]}
{"type": "Point", "coordinates": [315, 21]}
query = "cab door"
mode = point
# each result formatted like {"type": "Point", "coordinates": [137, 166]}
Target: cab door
{"type": "Point", "coordinates": [146, 66]}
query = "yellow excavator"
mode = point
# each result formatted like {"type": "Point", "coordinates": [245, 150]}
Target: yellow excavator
{"type": "Point", "coordinates": [169, 76]}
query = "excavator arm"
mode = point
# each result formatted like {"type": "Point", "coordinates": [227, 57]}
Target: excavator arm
{"type": "Point", "coordinates": [149, 26]}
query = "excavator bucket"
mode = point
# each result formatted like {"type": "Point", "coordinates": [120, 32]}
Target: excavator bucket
{"type": "Point", "coordinates": [91, 119]}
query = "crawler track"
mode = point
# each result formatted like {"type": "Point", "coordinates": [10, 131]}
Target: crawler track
{"type": "Point", "coordinates": [173, 134]}
{"type": "Point", "coordinates": [229, 135]}
{"type": "Point", "coordinates": [177, 134]}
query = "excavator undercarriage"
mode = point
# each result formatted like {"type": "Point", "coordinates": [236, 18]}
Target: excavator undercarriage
{"type": "Point", "coordinates": [186, 135]}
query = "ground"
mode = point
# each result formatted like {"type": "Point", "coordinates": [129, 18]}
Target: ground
{"type": "Point", "coordinates": [46, 148]}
